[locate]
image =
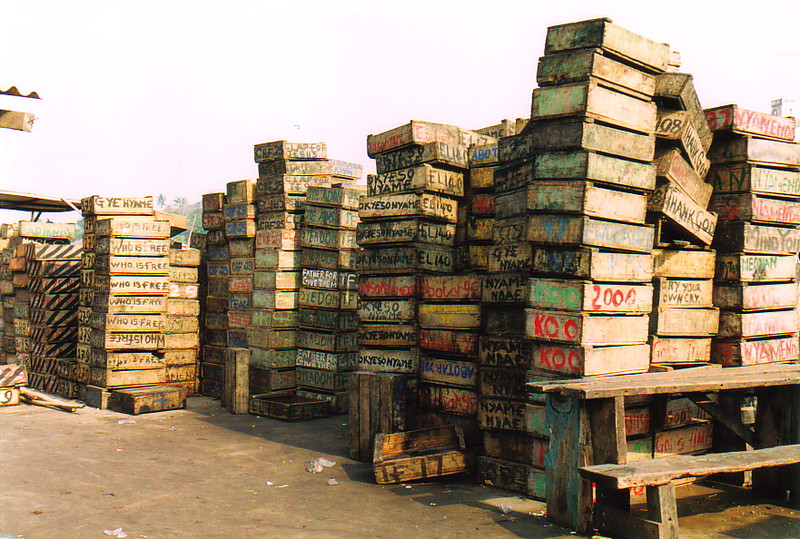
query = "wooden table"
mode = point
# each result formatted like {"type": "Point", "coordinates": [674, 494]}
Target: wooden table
{"type": "Point", "coordinates": [587, 423]}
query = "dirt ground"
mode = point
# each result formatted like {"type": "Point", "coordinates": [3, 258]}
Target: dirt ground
{"type": "Point", "coordinates": [202, 472]}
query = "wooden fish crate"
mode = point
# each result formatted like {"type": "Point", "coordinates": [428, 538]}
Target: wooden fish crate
{"type": "Point", "coordinates": [755, 267]}
{"type": "Point", "coordinates": [755, 296]}
{"type": "Point", "coordinates": [757, 324]}
{"type": "Point", "coordinates": [591, 99]}
{"type": "Point", "coordinates": [405, 231]}
{"type": "Point", "coordinates": [513, 476]}
{"type": "Point", "coordinates": [585, 198]}
{"type": "Point", "coordinates": [288, 407]}
{"type": "Point", "coordinates": [748, 178]}
{"type": "Point", "coordinates": [682, 322]}
{"type": "Point", "coordinates": [405, 260]}
{"type": "Point", "coordinates": [408, 205]}
{"type": "Point", "coordinates": [744, 237]}
{"type": "Point", "coordinates": [378, 403]}
{"type": "Point", "coordinates": [418, 178]}
{"type": "Point", "coordinates": [147, 399]}
{"type": "Point", "coordinates": [735, 119]}
{"type": "Point", "coordinates": [583, 296]}
{"type": "Point", "coordinates": [578, 134]}
{"type": "Point", "coordinates": [676, 127]}
{"type": "Point", "coordinates": [585, 329]}
{"type": "Point", "coordinates": [283, 150]}
{"type": "Point", "coordinates": [756, 209]}
{"type": "Point", "coordinates": [680, 350]}
{"type": "Point", "coordinates": [589, 360]}
{"type": "Point", "coordinates": [586, 231]}
{"type": "Point", "coordinates": [755, 150]}
{"type": "Point", "coordinates": [671, 166]}
{"type": "Point", "coordinates": [734, 352]}
{"type": "Point", "coordinates": [418, 454]}
{"type": "Point", "coordinates": [586, 64]}
{"type": "Point", "coordinates": [683, 212]}
{"type": "Point", "coordinates": [676, 91]}
{"type": "Point", "coordinates": [434, 153]}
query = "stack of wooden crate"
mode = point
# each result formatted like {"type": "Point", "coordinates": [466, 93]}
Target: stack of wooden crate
{"type": "Point", "coordinates": [55, 272]}
{"type": "Point", "coordinates": [571, 203]}
{"type": "Point", "coordinates": [756, 177]}
{"type": "Point", "coordinates": [7, 344]}
{"type": "Point", "coordinates": [285, 172]}
{"type": "Point", "coordinates": [215, 317]}
{"type": "Point", "coordinates": [182, 322]}
{"type": "Point", "coordinates": [327, 299]}
{"type": "Point", "coordinates": [408, 229]}
{"type": "Point", "coordinates": [683, 318]}
{"type": "Point", "coordinates": [41, 341]}
{"type": "Point", "coordinates": [124, 288]}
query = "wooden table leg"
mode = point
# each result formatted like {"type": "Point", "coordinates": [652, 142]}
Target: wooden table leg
{"type": "Point", "coordinates": [777, 423]}
{"type": "Point", "coordinates": [662, 508]}
{"type": "Point", "coordinates": [569, 496]}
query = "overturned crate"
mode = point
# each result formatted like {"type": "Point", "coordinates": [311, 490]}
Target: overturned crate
{"type": "Point", "coordinates": [419, 454]}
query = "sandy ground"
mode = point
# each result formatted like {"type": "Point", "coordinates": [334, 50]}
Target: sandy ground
{"type": "Point", "coordinates": [202, 472]}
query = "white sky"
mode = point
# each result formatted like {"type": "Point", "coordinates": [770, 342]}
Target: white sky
{"type": "Point", "coordinates": [146, 97]}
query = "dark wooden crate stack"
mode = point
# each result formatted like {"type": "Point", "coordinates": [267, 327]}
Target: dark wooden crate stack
{"type": "Point", "coordinates": [55, 272]}
{"type": "Point", "coordinates": [408, 228]}
{"type": "Point", "coordinates": [327, 349]}
{"type": "Point", "coordinates": [123, 297]}
{"type": "Point", "coordinates": [7, 343]}
{"type": "Point", "coordinates": [41, 342]}
{"type": "Point", "coordinates": [182, 320]}
{"type": "Point", "coordinates": [683, 318]}
{"type": "Point", "coordinates": [571, 203]}
{"type": "Point", "coordinates": [756, 177]}
{"type": "Point", "coordinates": [215, 317]}
{"type": "Point", "coordinates": [239, 215]}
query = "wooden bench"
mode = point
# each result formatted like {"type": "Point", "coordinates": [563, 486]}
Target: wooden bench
{"type": "Point", "coordinates": [657, 476]}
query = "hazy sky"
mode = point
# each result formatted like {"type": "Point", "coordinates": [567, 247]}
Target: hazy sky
{"type": "Point", "coordinates": [169, 96]}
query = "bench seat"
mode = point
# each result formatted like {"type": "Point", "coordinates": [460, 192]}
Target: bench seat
{"type": "Point", "coordinates": [612, 510]}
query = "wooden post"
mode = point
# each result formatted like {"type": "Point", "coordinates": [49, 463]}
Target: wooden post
{"type": "Point", "coordinates": [569, 496]}
{"type": "Point", "coordinates": [662, 508]}
{"type": "Point", "coordinates": [237, 380]}
{"type": "Point", "coordinates": [607, 425]}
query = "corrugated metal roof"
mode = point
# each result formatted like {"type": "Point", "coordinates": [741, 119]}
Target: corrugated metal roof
{"type": "Point", "coordinates": [14, 91]}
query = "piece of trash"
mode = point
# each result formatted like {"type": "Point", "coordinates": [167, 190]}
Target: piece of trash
{"type": "Point", "coordinates": [37, 512]}
{"type": "Point", "coordinates": [505, 508]}
{"type": "Point", "coordinates": [125, 421]}
{"type": "Point", "coordinates": [432, 504]}
{"type": "Point", "coordinates": [332, 481]}
{"type": "Point", "coordinates": [115, 533]}
{"type": "Point", "coordinates": [118, 449]}
{"type": "Point", "coordinates": [319, 464]}
{"type": "Point", "coordinates": [409, 486]}
{"type": "Point", "coordinates": [269, 483]}
{"type": "Point", "coordinates": [282, 486]}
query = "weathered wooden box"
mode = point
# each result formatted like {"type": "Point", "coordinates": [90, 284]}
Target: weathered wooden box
{"type": "Point", "coordinates": [288, 407]}
{"type": "Point", "coordinates": [418, 454]}
{"type": "Point", "coordinates": [148, 399]}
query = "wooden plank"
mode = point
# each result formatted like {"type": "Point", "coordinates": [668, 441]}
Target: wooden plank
{"type": "Point", "coordinates": [746, 237]}
{"type": "Point", "coordinates": [387, 286]}
{"type": "Point", "coordinates": [756, 151]}
{"type": "Point", "coordinates": [677, 126]}
{"type": "Point", "coordinates": [516, 477]}
{"type": "Point", "coordinates": [98, 205]}
{"type": "Point", "coordinates": [590, 63]}
{"type": "Point", "coordinates": [680, 322]}
{"type": "Point", "coordinates": [570, 295]}
{"type": "Point", "coordinates": [757, 324]}
{"type": "Point", "coordinates": [570, 134]}
{"type": "Point", "coordinates": [676, 381]}
{"type": "Point", "coordinates": [748, 178]}
{"type": "Point", "coordinates": [590, 360]}
{"type": "Point", "coordinates": [46, 230]}
{"type": "Point", "coordinates": [20, 121]}
{"type": "Point", "coordinates": [405, 230]}
{"type": "Point", "coordinates": [580, 328]}
{"type": "Point", "coordinates": [398, 361]}
{"type": "Point", "coordinates": [589, 166]}
{"type": "Point", "coordinates": [755, 297]}
{"type": "Point", "coordinates": [290, 184]}
{"type": "Point", "coordinates": [592, 100]}
{"type": "Point", "coordinates": [585, 198]}
{"type": "Point", "coordinates": [281, 149]}
{"type": "Point", "coordinates": [747, 268]}
{"type": "Point", "coordinates": [683, 212]}
{"type": "Point", "coordinates": [448, 315]}
{"type": "Point", "coordinates": [132, 227]}
{"type": "Point", "coordinates": [404, 260]}
{"type": "Point", "coordinates": [565, 230]}
{"type": "Point", "coordinates": [448, 371]}
{"type": "Point", "coordinates": [106, 245]}
{"type": "Point", "coordinates": [408, 205]}
{"type": "Point", "coordinates": [420, 467]}
{"type": "Point", "coordinates": [602, 33]}
{"type": "Point", "coordinates": [671, 166]}
{"type": "Point", "coordinates": [684, 292]}
{"type": "Point", "coordinates": [436, 153]}
{"type": "Point", "coordinates": [421, 177]}
{"type": "Point", "coordinates": [683, 263]}
{"type": "Point", "coordinates": [417, 133]}
{"type": "Point", "coordinates": [678, 350]}
{"type": "Point", "coordinates": [400, 335]}
{"type": "Point", "coordinates": [730, 353]}
{"type": "Point", "coordinates": [738, 120]}
{"type": "Point", "coordinates": [755, 209]}
{"type": "Point", "coordinates": [453, 400]}
{"type": "Point", "coordinates": [331, 217]}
